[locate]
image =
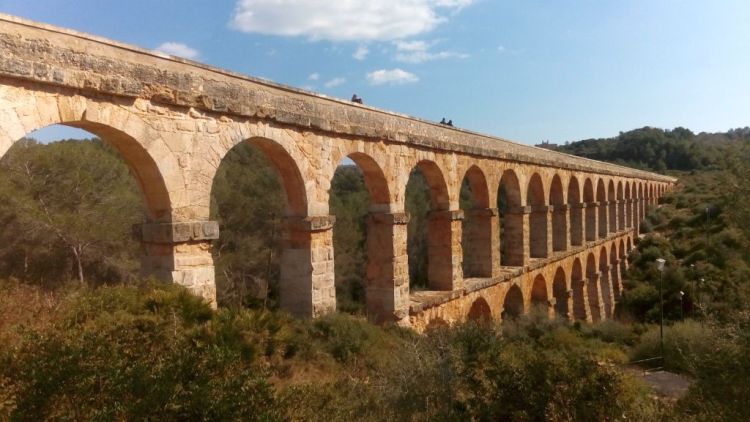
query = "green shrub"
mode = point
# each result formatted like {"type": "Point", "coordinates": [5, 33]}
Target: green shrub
{"type": "Point", "coordinates": [685, 344]}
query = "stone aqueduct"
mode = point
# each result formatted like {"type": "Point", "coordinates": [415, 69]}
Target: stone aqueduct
{"type": "Point", "coordinates": [567, 227]}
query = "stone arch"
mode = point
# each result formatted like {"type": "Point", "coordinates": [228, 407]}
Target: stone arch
{"type": "Point", "coordinates": [561, 294]}
{"type": "Point", "coordinates": [578, 285]}
{"type": "Point", "coordinates": [601, 199]}
{"type": "Point", "coordinates": [478, 184]}
{"type": "Point", "coordinates": [535, 199]}
{"type": "Point", "coordinates": [629, 205]}
{"type": "Point", "coordinates": [289, 173]}
{"type": "Point", "coordinates": [439, 197]}
{"type": "Point", "coordinates": [591, 209]}
{"type": "Point", "coordinates": [477, 228]}
{"type": "Point", "coordinates": [513, 304]}
{"type": "Point", "coordinates": [592, 288]}
{"type": "Point", "coordinates": [307, 240]}
{"type": "Point", "coordinates": [612, 206]}
{"type": "Point", "coordinates": [605, 282]}
{"type": "Point", "coordinates": [539, 292]}
{"type": "Point", "coordinates": [386, 277]}
{"type": "Point", "coordinates": [443, 253]}
{"type": "Point", "coordinates": [480, 311]}
{"type": "Point", "coordinates": [375, 180]}
{"type": "Point", "coordinates": [641, 207]}
{"type": "Point", "coordinates": [510, 209]}
{"type": "Point", "coordinates": [620, 207]}
{"type": "Point", "coordinates": [148, 172]}
{"type": "Point", "coordinates": [559, 215]}
{"type": "Point", "coordinates": [576, 212]}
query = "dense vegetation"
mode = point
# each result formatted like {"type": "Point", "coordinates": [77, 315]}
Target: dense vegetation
{"type": "Point", "coordinates": [110, 346]}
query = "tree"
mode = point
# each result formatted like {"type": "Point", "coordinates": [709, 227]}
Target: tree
{"type": "Point", "coordinates": [74, 196]}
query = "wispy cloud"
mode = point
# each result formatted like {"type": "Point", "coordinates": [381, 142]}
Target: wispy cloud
{"type": "Point", "coordinates": [420, 51]}
{"type": "Point", "coordinates": [335, 82]}
{"type": "Point", "coordinates": [178, 49]}
{"type": "Point", "coordinates": [361, 53]}
{"type": "Point", "coordinates": [314, 76]}
{"type": "Point", "coordinates": [391, 77]}
{"type": "Point", "coordinates": [351, 20]}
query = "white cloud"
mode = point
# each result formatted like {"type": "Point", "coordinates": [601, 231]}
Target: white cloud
{"type": "Point", "coordinates": [361, 53]}
{"type": "Point", "coordinates": [419, 52]}
{"type": "Point", "coordinates": [314, 76]}
{"type": "Point", "coordinates": [501, 48]}
{"type": "Point", "coordinates": [178, 49]}
{"type": "Point", "coordinates": [391, 76]}
{"type": "Point", "coordinates": [335, 82]}
{"type": "Point", "coordinates": [343, 20]}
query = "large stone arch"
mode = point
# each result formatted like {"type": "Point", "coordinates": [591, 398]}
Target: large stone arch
{"type": "Point", "coordinates": [601, 199]}
{"type": "Point", "coordinates": [175, 236]}
{"type": "Point", "coordinates": [480, 311]}
{"type": "Point", "coordinates": [144, 150]}
{"type": "Point", "coordinates": [513, 304]}
{"type": "Point", "coordinates": [581, 310]}
{"type": "Point", "coordinates": [559, 215]}
{"type": "Point", "coordinates": [589, 199]}
{"type": "Point", "coordinates": [620, 206]}
{"type": "Point", "coordinates": [575, 209]}
{"type": "Point", "coordinates": [539, 296]}
{"type": "Point", "coordinates": [480, 231]}
{"type": "Point", "coordinates": [510, 209]}
{"type": "Point", "coordinates": [592, 288]}
{"type": "Point", "coordinates": [387, 288]}
{"type": "Point", "coordinates": [538, 230]}
{"type": "Point", "coordinates": [629, 205]}
{"type": "Point", "coordinates": [444, 267]}
{"type": "Point", "coordinates": [561, 294]}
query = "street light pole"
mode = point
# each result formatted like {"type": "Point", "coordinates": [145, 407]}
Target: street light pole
{"type": "Point", "coordinates": [660, 266]}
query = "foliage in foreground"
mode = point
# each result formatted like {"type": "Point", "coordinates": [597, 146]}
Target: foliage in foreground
{"type": "Point", "coordinates": [156, 352]}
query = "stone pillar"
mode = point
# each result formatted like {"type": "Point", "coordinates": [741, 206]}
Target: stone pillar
{"type": "Point", "coordinates": [559, 223]}
{"type": "Point", "coordinates": [387, 268]}
{"type": "Point", "coordinates": [616, 278]}
{"type": "Point", "coordinates": [603, 220]}
{"type": "Point", "coordinates": [585, 302]}
{"type": "Point", "coordinates": [551, 308]}
{"type": "Point", "coordinates": [444, 248]}
{"type": "Point", "coordinates": [569, 304]}
{"type": "Point", "coordinates": [515, 236]}
{"type": "Point", "coordinates": [592, 221]}
{"type": "Point", "coordinates": [180, 253]}
{"type": "Point", "coordinates": [576, 224]}
{"type": "Point", "coordinates": [608, 303]}
{"type": "Point", "coordinates": [596, 308]}
{"type": "Point", "coordinates": [482, 256]}
{"type": "Point", "coordinates": [621, 203]}
{"type": "Point", "coordinates": [307, 286]}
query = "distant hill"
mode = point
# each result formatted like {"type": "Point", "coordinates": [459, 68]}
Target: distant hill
{"type": "Point", "coordinates": [658, 149]}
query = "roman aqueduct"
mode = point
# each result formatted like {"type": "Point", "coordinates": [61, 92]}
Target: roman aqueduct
{"type": "Point", "coordinates": [567, 226]}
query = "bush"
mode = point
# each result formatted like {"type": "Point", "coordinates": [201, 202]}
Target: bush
{"type": "Point", "coordinates": [685, 344]}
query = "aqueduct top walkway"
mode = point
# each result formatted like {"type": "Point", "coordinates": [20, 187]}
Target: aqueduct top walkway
{"type": "Point", "coordinates": [566, 221]}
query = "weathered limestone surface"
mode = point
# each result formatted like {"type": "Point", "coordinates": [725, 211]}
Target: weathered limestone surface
{"type": "Point", "coordinates": [173, 121]}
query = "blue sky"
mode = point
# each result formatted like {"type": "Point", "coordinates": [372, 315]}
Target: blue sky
{"type": "Point", "coordinates": [525, 70]}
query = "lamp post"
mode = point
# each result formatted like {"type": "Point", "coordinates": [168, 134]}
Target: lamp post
{"type": "Point", "coordinates": [682, 296]}
{"type": "Point", "coordinates": [660, 266]}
